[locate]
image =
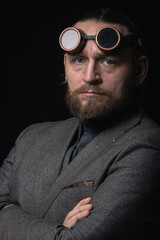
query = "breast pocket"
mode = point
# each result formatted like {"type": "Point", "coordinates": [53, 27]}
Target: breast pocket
{"type": "Point", "coordinates": [67, 199]}
{"type": "Point", "coordinates": [77, 192]}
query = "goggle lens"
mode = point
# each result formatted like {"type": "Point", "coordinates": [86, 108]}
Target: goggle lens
{"type": "Point", "coordinates": [108, 38]}
{"type": "Point", "coordinates": [69, 39]}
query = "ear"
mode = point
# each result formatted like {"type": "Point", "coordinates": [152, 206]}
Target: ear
{"type": "Point", "coordinates": [64, 59]}
{"type": "Point", "coordinates": [141, 69]}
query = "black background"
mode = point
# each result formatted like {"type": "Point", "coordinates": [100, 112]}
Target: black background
{"type": "Point", "coordinates": [32, 63]}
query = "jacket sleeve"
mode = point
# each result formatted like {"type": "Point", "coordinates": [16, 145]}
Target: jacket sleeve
{"type": "Point", "coordinates": [5, 175]}
{"type": "Point", "coordinates": [15, 222]}
{"type": "Point", "coordinates": [126, 203]}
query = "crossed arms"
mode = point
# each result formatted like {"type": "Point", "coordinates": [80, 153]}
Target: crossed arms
{"type": "Point", "coordinates": [125, 204]}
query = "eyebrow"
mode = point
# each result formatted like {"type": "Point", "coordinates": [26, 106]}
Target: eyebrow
{"type": "Point", "coordinates": [101, 55]}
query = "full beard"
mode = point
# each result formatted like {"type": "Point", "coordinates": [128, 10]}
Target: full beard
{"type": "Point", "coordinates": [103, 106]}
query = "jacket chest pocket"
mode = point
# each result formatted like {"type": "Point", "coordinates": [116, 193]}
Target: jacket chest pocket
{"type": "Point", "coordinates": [76, 194]}
{"type": "Point", "coordinates": [66, 200]}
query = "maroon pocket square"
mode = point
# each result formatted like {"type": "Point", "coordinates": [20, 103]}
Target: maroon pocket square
{"type": "Point", "coordinates": [80, 184]}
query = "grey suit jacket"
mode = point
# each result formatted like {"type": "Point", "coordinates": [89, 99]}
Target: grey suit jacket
{"type": "Point", "coordinates": [121, 164]}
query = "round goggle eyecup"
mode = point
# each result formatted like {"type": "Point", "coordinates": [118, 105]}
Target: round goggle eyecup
{"type": "Point", "coordinates": [108, 38]}
{"type": "Point", "coordinates": [71, 40]}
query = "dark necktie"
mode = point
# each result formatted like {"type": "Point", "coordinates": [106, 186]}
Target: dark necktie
{"type": "Point", "coordinates": [86, 133]}
{"type": "Point", "coordinates": [86, 137]}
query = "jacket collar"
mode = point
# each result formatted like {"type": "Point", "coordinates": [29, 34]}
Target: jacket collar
{"type": "Point", "coordinates": [127, 119]}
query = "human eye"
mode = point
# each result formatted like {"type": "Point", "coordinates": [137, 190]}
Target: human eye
{"type": "Point", "coordinates": [78, 60]}
{"type": "Point", "coordinates": [108, 62]}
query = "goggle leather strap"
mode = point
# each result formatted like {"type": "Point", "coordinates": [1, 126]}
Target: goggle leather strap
{"type": "Point", "coordinates": [133, 40]}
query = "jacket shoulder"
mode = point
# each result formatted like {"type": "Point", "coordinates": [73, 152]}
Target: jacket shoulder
{"type": "Point", "coordinates": [146, 131]}
{"type": "Point", "coordinates": [39, 130]}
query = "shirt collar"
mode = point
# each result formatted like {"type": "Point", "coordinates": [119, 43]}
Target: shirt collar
{"type": "Point", "coordinates": [92, 129]}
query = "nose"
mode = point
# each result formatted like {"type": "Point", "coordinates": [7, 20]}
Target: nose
{"type": "Point", "coordinates": [91, 74]}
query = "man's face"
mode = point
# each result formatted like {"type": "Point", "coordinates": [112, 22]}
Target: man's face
{"type": "Point", "coordinates": [99, 84]}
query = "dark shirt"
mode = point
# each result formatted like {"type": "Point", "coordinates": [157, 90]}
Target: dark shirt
{"type": "Point", "coordinates": [86, 132]}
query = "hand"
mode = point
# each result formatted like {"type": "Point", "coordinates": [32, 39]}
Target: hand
{"type": "Point", "coordinates": [80, 211]}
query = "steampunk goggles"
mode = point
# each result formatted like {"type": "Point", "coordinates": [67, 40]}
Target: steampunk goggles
{"type": "Point", "coordinates": [108, 39]}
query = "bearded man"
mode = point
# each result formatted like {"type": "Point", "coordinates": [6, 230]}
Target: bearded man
{"type": "Point", "coordinates": [94, 176]}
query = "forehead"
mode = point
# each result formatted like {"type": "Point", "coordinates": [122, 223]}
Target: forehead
{"type": "Point", "coordinates": [91, 27]}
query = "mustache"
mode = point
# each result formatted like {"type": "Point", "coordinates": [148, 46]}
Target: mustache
{"type": "Point", "coordinates": [94, 89]}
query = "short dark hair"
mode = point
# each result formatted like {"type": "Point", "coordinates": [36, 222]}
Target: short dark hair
{"type": "Point", "coordinates": [113, 16]}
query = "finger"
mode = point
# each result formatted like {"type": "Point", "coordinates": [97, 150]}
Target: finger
{"type": "Point", "coordinates": [9, 205]}
{"type": "Point", "coordinates": [84, 201]}
{"type": "Point", "coordinates": [79, 209]}
{"type": "Point", "coordinates": [82, 205]}
{"type": "Point", "coordinates": [76, 218]}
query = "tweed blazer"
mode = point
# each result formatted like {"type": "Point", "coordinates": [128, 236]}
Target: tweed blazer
{"type": "Point", "coordinates": [119, 169]}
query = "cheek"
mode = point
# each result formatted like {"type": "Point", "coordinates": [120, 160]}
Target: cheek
{"type": "Point", "coordinates": [129, 78]}
{"type": "Point", "coordinates": [119, 81]}
{"type": "Point", "coordinates": [74, 80]}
